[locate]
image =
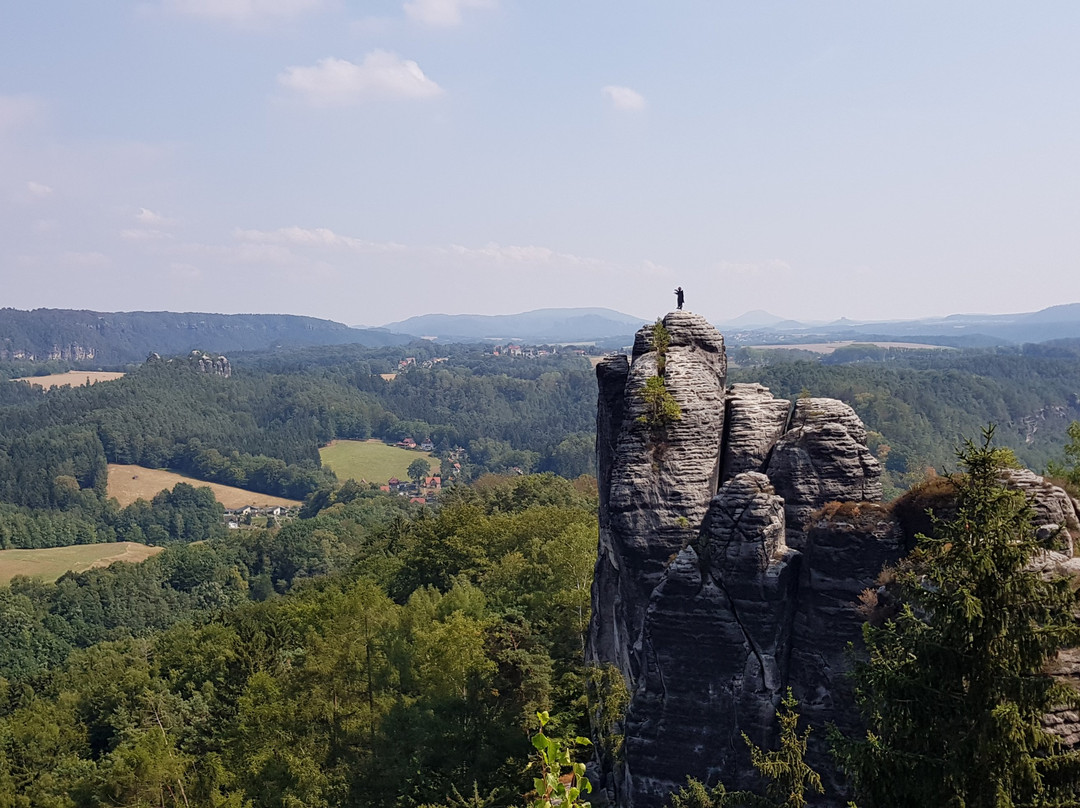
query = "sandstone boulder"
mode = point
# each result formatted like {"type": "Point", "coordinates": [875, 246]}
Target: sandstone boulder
{"type": "Point", "coordinates": [822, 458]}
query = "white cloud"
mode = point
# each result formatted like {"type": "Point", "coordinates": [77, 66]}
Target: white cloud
{"type": "Point", "coordinates": [241, 10]}
{"type": "Point", "coordinates": [304, 240]}
{"type": "Point", "coordinates": [314, 237]}
{"type": "Point", "coordinates": [149, 217]}
{"type": "Point", "coordinates": [624, 98]}
{"type": "Point", "coordinates": [39, 189]}
{"type": "Point", "coordinates": [443, 12]}
{"type": "Point", "coordinates": [18, 110]}
{"type": "Point", "coordinates": [338, 82]}
{"type": "Point", "coordinates": [528, 254]}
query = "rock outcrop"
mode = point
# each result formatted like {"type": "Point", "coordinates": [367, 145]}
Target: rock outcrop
{"type": "Point", "coordinates": [714, 647]}
{"type": "Point", "coordinates": [755, 421]}
{"type": "Point", "coordinates": [822, 458]}
{"type": "Point", "coordinates": [713, 593]}
{"type": "Point", "coordinates": [655, 492]}
{"type": "Point", "coordinates": [741, 540]}
{"type": "Point", "coordinates": [1057, 517]}
{"type": "Point", "coordinates": [213, 364]}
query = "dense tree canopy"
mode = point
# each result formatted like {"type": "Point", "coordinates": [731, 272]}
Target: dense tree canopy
{"type": "Point", "coordinates": [955, 689]}
{"type": "Point", "coordinates": [406, 665]}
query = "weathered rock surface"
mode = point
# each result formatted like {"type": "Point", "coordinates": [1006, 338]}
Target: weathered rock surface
{"type": "Point", "coordinates": [1057, 515]}
{"type": "Point", "coordinates": [658, 485]}
{"type": "Point", "coordinates": [699, 598]}
{"type": "Point", "coordinates": [844, 552]}
{"type": "Point", "coordinates": [213, 364]}
{"type": "Point", "coordinates": [822, 458]}
{"type": "Point", "coordinates": [1065, 722]}
{"type": "Point", "coordinates": [755, 421]}
{"type": "Point", "coordinates": [735, 547]}
{"type": "Point", "coordinates": [714, 644]}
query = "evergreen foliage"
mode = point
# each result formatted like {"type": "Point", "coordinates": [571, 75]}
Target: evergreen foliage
{"type": "Point", "coordinates": [954, 688]}
{"type": "Point", "coordinates": [1069, 471]}
{"type": "Point", "coordinates": [272, 669]}
{"type": "Point", "coordinates": [785, 770]}
{"type": "Point", "coordinates": [661, 408]}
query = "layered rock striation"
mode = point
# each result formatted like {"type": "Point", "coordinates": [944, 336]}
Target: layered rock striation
{"type": "Point", "coordinates": [738, 538]}
{"type": "Point", "coordinates": [713, 593]}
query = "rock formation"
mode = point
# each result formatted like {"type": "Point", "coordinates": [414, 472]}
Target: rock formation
{"type": "Point", "coordinates": [215, 365]}
{"type": "Point", "coordinates": [713, 594]}
{"type": "Point", "coordinates": [1057, 517]}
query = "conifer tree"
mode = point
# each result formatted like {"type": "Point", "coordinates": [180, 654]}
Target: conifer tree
{"type": "Point", "coordinates": [954, 689]}
{"type": "Point", "coordinates": [785, 770]}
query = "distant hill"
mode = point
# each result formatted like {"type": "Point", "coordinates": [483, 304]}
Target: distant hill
{"type": "Point", "coordinates": [758, 318]}
{"type": "Point", "coordinates": [118, 337]}
{"type": "Point", "coordinates": [541, 325]}
{"type": "Point", "coordinates": [1053, 323]}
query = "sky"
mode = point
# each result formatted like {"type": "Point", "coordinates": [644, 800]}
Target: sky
{"type": "Point", "coordinates": [369, 161]}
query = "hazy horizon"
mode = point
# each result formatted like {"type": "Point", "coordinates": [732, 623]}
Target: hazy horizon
{"type": "Point", "coordinates": [366, 163]}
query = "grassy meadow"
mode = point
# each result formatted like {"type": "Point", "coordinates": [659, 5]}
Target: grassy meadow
{"type": "Point", "coordinates": [49, 564]}
{"type": "Point", "coordinates": [73, 378]}
{"type": "Point", "coordinates": [371, 460]}
{"type": "Point", "coordinates": [129, 483]}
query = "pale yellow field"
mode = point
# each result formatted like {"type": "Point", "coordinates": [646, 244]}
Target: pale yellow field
{"type": "Point", "coordinates": [51, 563]}
{"type": "Point", "coordinates": [129, 483]}
{"type": "Point", "coordinates": [73, 378]}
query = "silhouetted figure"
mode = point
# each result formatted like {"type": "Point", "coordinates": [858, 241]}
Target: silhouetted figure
{"type": "Point", "coordinates": [678, 297]}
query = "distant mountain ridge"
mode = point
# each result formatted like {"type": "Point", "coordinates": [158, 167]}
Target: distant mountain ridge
{"type": "Point", "coordinates": [540, 325]}
{"type": "Point", "coordinates": [119, 337]}
{"type": "Point", "coordinates": [1056, 322]}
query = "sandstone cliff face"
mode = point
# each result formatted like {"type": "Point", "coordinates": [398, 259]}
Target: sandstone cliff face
{"type": "Point", "coordinates": [1056, 515]}
{"type": "Point", "coordinates": [655, 492]}
{"type": "Point", "coordinates": [822, 458]}
{"type": "Point", "coordinates": [712, 595]}
{"type": "Point", "coordinates": [215, 365]}
{"type": "Point", "coordinates": [714, 647]}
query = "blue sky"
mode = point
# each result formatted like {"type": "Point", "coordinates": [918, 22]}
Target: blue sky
{"type": "Point", "coordinates": [367, 161]}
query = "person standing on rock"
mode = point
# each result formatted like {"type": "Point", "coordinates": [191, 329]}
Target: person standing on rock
{"type": "Point", "coordinates": [679, 297]}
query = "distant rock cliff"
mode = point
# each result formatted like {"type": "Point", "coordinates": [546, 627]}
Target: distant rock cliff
{"type": "Point", "coordinates": [722, 579]}
{"type": "Point", "coordinates": [212, 364]}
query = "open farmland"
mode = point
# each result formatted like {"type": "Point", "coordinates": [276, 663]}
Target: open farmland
{"type": "Point", "coordinates": [371, 460]}
{"type": "Point", "coordinates": [49, 564]}
{"type": "Point", "coordinates": [129, 483]}
{"type": "Point", "coordinates": [73, 378]}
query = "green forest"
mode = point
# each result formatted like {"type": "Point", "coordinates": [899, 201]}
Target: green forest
{"type": "Point", "coordinates": [408, 659]}
{"type": "Point", "coordinates": [373, 651]}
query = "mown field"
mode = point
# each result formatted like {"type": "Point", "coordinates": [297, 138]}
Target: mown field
{"type": "Point", "coordinates": [51, 563]}
{"type": "Point", "coordinates": [371, 460]}
{"type": "Point", "coordinates": [73, 378]}
{"type": "Point", "coordinates": [129, 483]}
